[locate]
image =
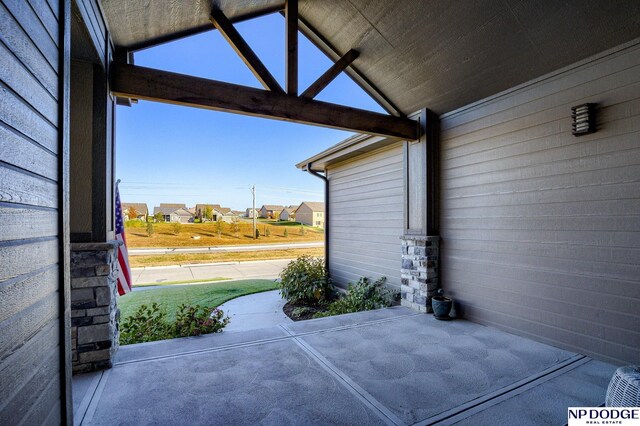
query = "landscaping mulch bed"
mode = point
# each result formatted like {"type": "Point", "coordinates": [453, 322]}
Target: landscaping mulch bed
{"type": "Point", "coordinates": [300, 312]}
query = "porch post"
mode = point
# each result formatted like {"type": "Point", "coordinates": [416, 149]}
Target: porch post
{"type": "Point", "coordinates": [420, 240]}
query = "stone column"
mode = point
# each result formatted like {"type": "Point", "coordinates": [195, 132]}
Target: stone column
{"type": "Point", "coordinates": [419, 271]}
{"type": "Point", "coordinates": [94, 308]}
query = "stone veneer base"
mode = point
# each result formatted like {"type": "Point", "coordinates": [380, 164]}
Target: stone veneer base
{"type": "Point", "coordinates": [419, 274]}
{"type": "Point", "coordinates": [94, 308]}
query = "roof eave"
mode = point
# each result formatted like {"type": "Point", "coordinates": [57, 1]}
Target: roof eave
{"type": "Point", "coordinates": [351, 147]}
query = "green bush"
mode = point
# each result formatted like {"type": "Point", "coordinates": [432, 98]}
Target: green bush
{"type": "Point", "coordinates": [149, 228]}
{"type": "Point", "coordinates": [305, 280]}
{"type": "Point", "coordinates": [361, 296]}
{"type": "Point", "coordinates": [286, 232]}
{"type": "Point", "coordinates": [196, 320]}
{"type": "Point", "coordinates": [149, 324]}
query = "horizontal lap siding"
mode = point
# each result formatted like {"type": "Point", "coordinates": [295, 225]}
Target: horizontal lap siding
{"type": "Point", "coordinates": [540, 229]}
{"type": "Point", "coordinates": [365, 217]}
{"type": "Point", "coordinates": [30, 379]}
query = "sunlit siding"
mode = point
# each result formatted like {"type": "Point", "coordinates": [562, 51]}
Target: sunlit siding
{"type": "Point", "coordinates": [365, 217]}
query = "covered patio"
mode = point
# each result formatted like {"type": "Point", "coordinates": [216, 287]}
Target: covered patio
{"type": "Point", "coordinates": [389, 366]}
{"type": "Point", "coordinates": [506, 172]}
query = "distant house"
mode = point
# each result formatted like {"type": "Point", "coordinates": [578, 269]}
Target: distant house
{"type": "Point", "coordinates": [229, 216]}
{"type": "Point", "coordinates": [250, 212]}
{"type": "Point", "coordinates": [201, 210]}
{"type": "Point", "coordinates": [141, 209]}
{"type": "Point", "coordinates": [182, 215]}
{"type": "Point", "coordinates": [270, 211]}
{"type": "Point", "coordinates": [311, 213]}
{"type": "Point", "coordinates": [237, 213]}
{"type": "Point", "coordinates": [288, 213]}
{"type": "Point", "coordinates": [167, 210]}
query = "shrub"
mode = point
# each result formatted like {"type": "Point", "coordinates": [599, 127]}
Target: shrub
{"type": "Point", "coordinates": [361, 296]}
{"type": "Point", "coordinates": [145, 325]}
{"type": "Point", "coordinates": [196, 320]}
{"type": "Point", "coordinates": [305, 280]}
{"type": "Point", "coordinates": [149, 229]}
{"type": "Point", "coordinates": [176, 227]}
{"type": "Point", "coordinates": [301, 311]}
{"type": "Point", "coordinates": [149, 324]}
{"type": "Point", "coordinates": [302, 230]}
{"type": "Point", "coordinates": [286, 232]}
{"type": "Point", "coordinates": [267, 232]}
{"type": "Point", "coordinates": [257, 233]}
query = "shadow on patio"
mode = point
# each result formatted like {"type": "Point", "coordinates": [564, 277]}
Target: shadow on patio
{"type": "Point", "coordinates": [391, 366]}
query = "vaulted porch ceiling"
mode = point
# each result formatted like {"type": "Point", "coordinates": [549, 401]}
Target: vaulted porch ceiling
{"type": "Point", "coordinates": [417, 53]}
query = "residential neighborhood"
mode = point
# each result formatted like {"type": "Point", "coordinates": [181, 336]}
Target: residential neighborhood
{"type": "Point", "coordinates": [310, 213]}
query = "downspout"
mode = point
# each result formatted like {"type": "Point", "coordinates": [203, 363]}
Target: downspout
{"type": "Point", "coordinates": [326, 213]}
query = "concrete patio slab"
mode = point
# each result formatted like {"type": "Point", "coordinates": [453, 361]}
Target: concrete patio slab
{"type": "Point", "coordinates": [380, 367]}
{"type": "Point", "coordinates": [275, 383]}
{"type": "Point", "coordinates": [542, 403]}
{"type": "Point", "coordinates": [420, 367]}
{"type": "Point", "coordinates": [174, 347]}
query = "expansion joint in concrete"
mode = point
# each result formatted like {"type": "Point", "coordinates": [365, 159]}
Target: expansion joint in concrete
{"type": "Point", "coordinates": [365, 397]}
{"type": "Point", "coordinates": [475, 406]}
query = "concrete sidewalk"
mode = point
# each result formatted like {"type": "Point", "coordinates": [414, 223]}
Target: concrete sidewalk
{"type": "Point", "coordinates": [255, 311]}
{"type": "Point", "coordinates": [265, 269]}
{"type": "Point", "coordinates": [390, 366]}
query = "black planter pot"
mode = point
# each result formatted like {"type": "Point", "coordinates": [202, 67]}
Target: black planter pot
{"type": "Point", "coordinates": [441, 306]}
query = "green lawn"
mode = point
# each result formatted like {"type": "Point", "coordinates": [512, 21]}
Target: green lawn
{"type": "Point", "coordinates": [211, 295]}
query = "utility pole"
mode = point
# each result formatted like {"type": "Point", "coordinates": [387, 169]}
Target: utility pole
{"type": "Point", "coordinates": [253, 210]}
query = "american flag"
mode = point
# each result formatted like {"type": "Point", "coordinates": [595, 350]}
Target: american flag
{"type": "Point", "coordinates": [124, 272]}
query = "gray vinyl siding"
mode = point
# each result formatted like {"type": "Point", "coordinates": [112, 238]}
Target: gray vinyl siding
{"type": "Point", "coordinates": [541, 229]}
{"type": "Point", "coordinates": [31, 379]}
{"type": "Point", "coordinates": [365, 217]}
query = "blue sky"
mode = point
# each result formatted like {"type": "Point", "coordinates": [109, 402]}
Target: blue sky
{"type": "Point", "coordinates": [167, 153]}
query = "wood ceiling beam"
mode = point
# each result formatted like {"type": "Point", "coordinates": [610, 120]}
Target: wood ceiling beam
{"type": "Point", "coordinates": [248, 56]}
{"type": "Point", "coordinates": [162, 86]}
{"type": "Point", "coordinates": [326, 78]}
{"type": "Point", "coordinates": [359, 78]}
{"type": "Point", "coordinates": [291, 47]}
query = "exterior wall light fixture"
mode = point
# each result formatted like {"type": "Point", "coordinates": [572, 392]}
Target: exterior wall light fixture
{"type": "Point", "coordinates": [584, 119]}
